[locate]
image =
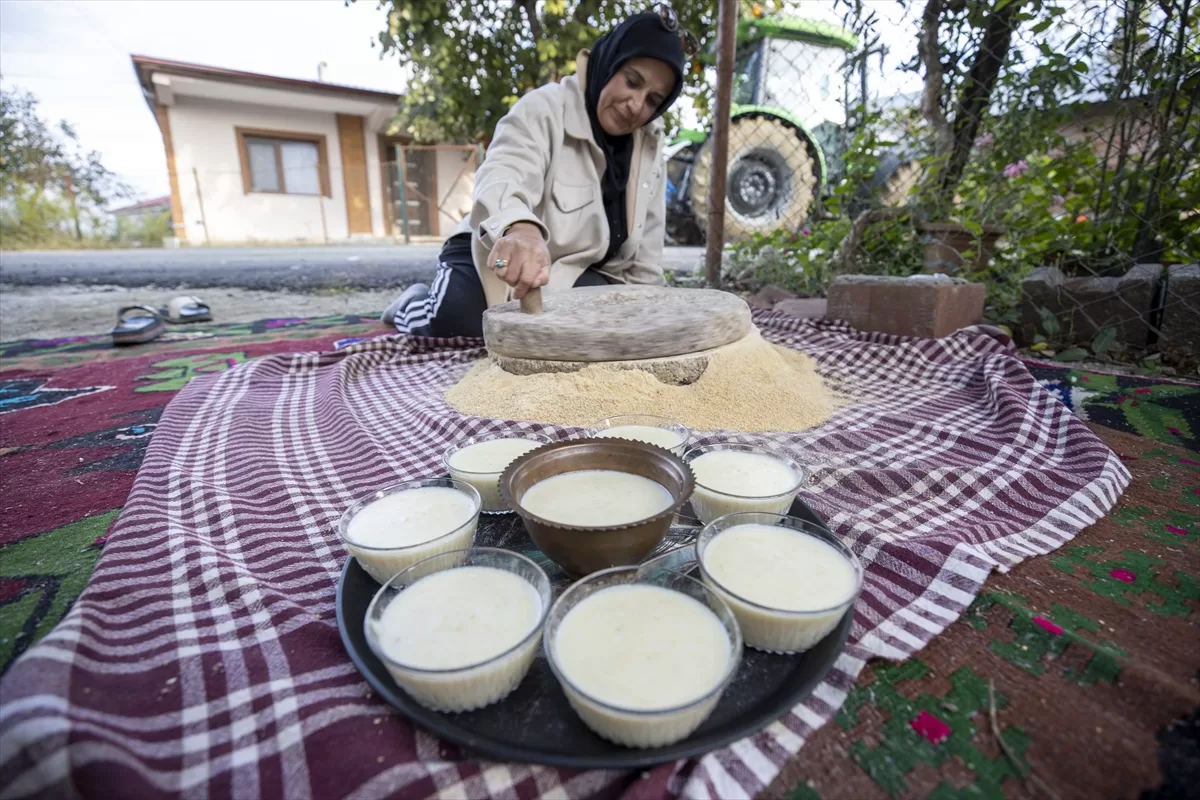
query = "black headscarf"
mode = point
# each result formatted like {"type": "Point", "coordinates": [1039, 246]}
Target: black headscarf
{"type": "Point", "coordinates": [640, 35]}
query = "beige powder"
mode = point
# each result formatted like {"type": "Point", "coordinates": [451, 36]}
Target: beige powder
{"type": "Point", "coordinates": [748, 386]}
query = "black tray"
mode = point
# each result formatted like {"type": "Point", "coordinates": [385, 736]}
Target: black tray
{"type": "Point", "coordinates": [535, 724]}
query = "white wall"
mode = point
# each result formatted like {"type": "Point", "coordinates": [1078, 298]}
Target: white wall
{"type": "Point", "coordinates": [453, 197]}
{"type": "Point", "coordinates": [204, 138]}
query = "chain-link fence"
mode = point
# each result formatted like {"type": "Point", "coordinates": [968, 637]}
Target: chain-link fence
{"type": "Point", "coordinates": [1050, 150]}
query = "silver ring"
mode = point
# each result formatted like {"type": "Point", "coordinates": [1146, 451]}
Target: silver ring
{"type": "Point", "coordinates": [501, 263]}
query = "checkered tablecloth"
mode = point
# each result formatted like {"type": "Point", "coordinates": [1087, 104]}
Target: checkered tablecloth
{"type": "Point", "coordinates": [204, 660]}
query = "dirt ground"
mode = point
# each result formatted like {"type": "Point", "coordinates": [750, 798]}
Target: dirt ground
{"type": "Point", "coordinates": [49, 312]}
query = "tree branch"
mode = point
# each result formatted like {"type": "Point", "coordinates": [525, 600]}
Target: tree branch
{"type": "Point", "coordinates": [931, 98]}
{"type": "Point", "coordinates": [977, 89]}
{"type": "Point", "coordinates": [535, 25]}
{"type": "Point", "coordinates": [848, 251]}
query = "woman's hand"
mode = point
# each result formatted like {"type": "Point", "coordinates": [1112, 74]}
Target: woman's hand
{"type": "Point", "coordinates": [526, 258]}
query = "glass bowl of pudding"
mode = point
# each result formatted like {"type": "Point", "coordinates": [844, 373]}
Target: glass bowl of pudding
{"type": "Point", "coordinates": [643, 655]}
{"type": "Point", "coordinates": [459, 630]}
{"type": "Point", "coordinates": [788, 581]}
{"type": "Point", "coordinates": [390, 530]}
{"type": "Point", "coordinates": [480, 461]}
{"type": "Point", "coordinates": [590, 504]}
{"type": "Point", "coordinates": [733, 477]}
{"type": "Point", "coordinates": [660, 431]}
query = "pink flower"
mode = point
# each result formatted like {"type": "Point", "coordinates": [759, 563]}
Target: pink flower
{"type": "Point", "coordinates": [1123, 575]}
{"type": "Point", "coordinates": [1175, 529]}
{"type": "Point", "coordinates": [1048, 625]}
{"type": "Point", "coordinates": [100, 541]}
{"type": "Point", "coordinates": [984, 140]}
{"type": "Point", "coordinates": [1016, 169]}
{"type": "Point", "coordinates": [1143, 390]}
{"type": "Point", "coordinates": [806, 232]}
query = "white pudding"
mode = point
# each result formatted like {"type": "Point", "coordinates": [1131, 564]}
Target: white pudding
{"type": "Point", "coordinates": [627, 650]}
{"type": "Point", "coordinates": [481, 464]}
{"type": "Point", "coordinates": [666, 438]}
{"type": "Point", "coordinates": [787, 588]}
{"type": "Point", "coordinates": [742, 480]}
{"type": "Point", "coordinates": [449, 637]}
{"type": "Point", "coordinates": [595, 498]}
{"type": "Point", "coordinates": [395, 531]}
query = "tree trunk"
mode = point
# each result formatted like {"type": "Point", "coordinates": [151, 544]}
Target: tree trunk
{"type": "Point", "coordinates": [931, 97]}
{"type": "Point", "coordinates": [70, 187]}
{"type": "Point", "coordinates": [976, 92]}
{"type": "Point", "coordinates": [535, 32]}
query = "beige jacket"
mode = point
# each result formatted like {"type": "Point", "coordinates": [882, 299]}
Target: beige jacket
{"type": "Point", "coordinates": [544, 167]}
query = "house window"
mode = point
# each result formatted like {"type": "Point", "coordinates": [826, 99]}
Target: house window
{"type": "Point", "coordinates": [278, 162]}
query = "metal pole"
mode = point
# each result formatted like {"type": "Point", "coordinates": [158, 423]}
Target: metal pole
{"type": "Point", "coordinates": [200, 198]}
{"type": "Point", "coordinates": [402, 179]}
{"type": "Point", "coordinates": [726, 38]}
{"type": "Point", "coordinates": [324, 225]}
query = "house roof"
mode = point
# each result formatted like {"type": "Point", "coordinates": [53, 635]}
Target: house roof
{"type": "Point", "coordinates": [157, 202]}
{"type": "Point", "coordinates": [145, 66]}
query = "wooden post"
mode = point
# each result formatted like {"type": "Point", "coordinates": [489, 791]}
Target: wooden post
{"type": "Point", "coordinates": [200, 197]}
{"type": "Point", "coordinates": [726, 40]}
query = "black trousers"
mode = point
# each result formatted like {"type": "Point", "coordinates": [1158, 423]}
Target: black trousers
{"type": "Point", "coordinates": [455, 303]}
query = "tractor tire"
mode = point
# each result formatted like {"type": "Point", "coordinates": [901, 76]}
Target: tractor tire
{"type": "Point", "coordinates": [902, 180]}
{"type": "Point", "coordinates": [772, 181]}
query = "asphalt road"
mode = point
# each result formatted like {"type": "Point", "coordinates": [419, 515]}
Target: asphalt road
{"type": "Point", "coordinates": [293, 268]}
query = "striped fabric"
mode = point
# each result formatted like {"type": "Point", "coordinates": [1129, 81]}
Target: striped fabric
{"type": "Point", "coordinates": [203, 659]}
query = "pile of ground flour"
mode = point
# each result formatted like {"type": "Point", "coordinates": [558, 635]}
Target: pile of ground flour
{"type": "Point", "coordinates": [749, 386]}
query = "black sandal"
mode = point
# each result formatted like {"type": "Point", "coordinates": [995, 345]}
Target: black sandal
{"type": "Point", "coordinates": [137, 328]}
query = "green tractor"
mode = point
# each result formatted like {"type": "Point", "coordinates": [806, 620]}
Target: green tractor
{"type": "Point", "coordinates": [786, 135]}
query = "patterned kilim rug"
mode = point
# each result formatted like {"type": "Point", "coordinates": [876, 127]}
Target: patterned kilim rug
{"type": "Point", "coordinates": [1079, 661]}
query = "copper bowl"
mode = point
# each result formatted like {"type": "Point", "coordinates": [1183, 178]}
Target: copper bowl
{"type": "Point", "coordinates": [581, 551]}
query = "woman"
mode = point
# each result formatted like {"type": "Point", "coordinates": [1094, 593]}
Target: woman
{"type": "Point", "coordinates": [572, 191]}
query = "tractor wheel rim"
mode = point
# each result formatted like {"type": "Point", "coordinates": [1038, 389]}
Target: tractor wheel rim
{"type": "Point", "coordinates": [755, 186]}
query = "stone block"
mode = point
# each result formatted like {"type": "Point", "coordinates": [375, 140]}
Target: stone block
{"type": "Point", "coordinates": [1180, 329]}
{"type": "Point", "coordinates": [1086, 305]}
{"type": "Point", "coordinates": [1042, 288]}
{"type": "Point", "coordinates": [803, 307]}
{"type": "Point", "coordinates": [920, 305]}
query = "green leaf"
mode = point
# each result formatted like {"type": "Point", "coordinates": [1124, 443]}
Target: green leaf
{"type": "Point", "coordinates": [1073, 354]}
{"type": "Point", "coordinates": [1049, 321]}
{"type": "Point", "coordinates": [1104, 340]}
{"type": "Point", "coordinates": [1042, 26]}
{"type": "Point", "coordinates": [1039, 338]}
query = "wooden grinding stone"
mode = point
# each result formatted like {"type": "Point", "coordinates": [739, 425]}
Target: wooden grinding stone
{"type": "Point", "coordinates": [679, 370]}
{"type": "Point", "coordinates": [615, 323]}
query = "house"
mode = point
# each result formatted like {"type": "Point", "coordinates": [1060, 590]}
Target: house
{"type": "Point", "coordinates": [258, 158]}
{"type": "Point", "coordinates": [139, 212]}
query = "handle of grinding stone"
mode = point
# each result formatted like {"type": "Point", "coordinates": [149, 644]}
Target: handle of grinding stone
{"type": "Point", "coordinates": [531, 303]}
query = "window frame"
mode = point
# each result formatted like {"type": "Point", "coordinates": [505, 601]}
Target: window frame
{"type": "Point", "coordinates": [283, 136]}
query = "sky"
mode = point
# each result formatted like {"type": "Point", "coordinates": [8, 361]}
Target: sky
{"type": "Point", "coordinates": [74, 56]}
